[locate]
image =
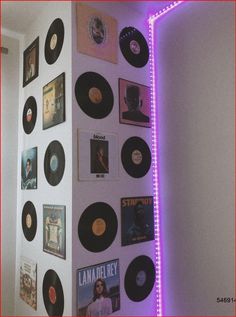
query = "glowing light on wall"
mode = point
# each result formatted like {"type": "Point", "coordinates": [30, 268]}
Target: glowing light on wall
{"type": "Point", "coordinates": [152, 19]}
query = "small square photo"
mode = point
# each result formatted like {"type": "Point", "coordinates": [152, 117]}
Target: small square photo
{"type": "Point", "coordinates": [31, 62]}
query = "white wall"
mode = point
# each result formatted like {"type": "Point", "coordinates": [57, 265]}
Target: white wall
{"type": "Point", "coordinates": [10, 82]}
{"type": "Point", "coordinates": [45, 193]}
{"type": "Point", "coordinates": [88, 192]}
{"type": "Point", "coordinates": [195, 67]}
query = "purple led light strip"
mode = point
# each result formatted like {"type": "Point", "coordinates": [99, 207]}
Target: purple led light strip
{"type": "Point", "coordinates": [151, 21]}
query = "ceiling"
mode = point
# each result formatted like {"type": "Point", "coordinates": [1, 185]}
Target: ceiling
{"type": "Point", "coordinates": [18, 15]}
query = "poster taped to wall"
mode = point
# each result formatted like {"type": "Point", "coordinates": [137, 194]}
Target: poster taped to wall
{"type": "Point", "coordinates": [54, 230]}
{"type": "Point", "coordinates": [98, 289]}
{"type": "Point", "coordinates": [137, 224]}
{"type": "Point", "coordinates": [28, 282]}
{"type": "Point", "coordinates": [96, 33]}
{"type": "Point", "coordinates": [54, 102]}
{"type": "Point", "coordinates": [97, 155]}
{"type": "Point", "coordinates": [134, 101]}
{"type": "Point", "coordinates": [29, 169]}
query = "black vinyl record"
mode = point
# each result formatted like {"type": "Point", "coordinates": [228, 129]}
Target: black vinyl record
{"type": "Point", "coordinates": [136, 157]}
{"type": "Point", "coordinates": [54, 163]}
{"type": "Point", "coordinates": [53, 295]}
{"type": "Point", "coordinates": [139, 278]}
{"type": "Point", "coordinates": [54, 41]}
{"type": "Point", "coordinates": [29, 221]}
{"type": "Point", "coordinates": [97, 227]}
{"type": "Point", "coordinates": [94, 95]}
{"type": "Point", "coordinates": [29, 115]}
{"type": "Point", "coordinates": [134, 47]}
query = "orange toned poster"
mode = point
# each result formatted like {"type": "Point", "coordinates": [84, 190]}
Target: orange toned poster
{"type": "Point", "coordinates": [96, 33]}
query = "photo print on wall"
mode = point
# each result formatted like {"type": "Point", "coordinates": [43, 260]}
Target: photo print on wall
{"type": "Point", "coordinates": [28, 282]}
{"type": "Point", "coordinates": [54, 102]}
{"type": "Point", "coordinates": [137, 224]}
{"type": "Point", "coordinates": [31, 62]}
{"type": "Point", "coordinates": [98, 289]}
{"type": "Point", "coordinates": [134, 102]}
{"type": "Point", "coordinates": [54, 230]}
{"type": "Point", "coordinates": [29, 169]}
{"type": "Point", "coordinates": [97, 155]}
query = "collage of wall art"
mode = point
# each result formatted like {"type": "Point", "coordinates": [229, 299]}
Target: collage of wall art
{"type": "Point", "coordinates": [98, 159]}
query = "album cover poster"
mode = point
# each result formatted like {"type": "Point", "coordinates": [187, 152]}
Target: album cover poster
{"type": "Point", "coordinates": [31, 62]}
{"type": "Point", "coordinates": [54, 102]}
{"type": "Point", "coordinates": [29, 169]}
{"type": "Point", "coordinates": [137, 223]}
{"type": "Point", "coordinates": [134, 101]}
{"type": "Point", "coordinates": [97, 155]}
{"type": "Point", "coordinates": [28, 282]}
{"type": "Point", "coordinates": [98, 289]}
{"type": "Point", "coordinates": [97, 33]}
{"type": "Point", "coordinates": [54, 230]}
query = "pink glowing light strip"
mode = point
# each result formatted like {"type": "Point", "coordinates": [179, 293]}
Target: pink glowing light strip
{"type": "Point", "coordinates": [151, 21]}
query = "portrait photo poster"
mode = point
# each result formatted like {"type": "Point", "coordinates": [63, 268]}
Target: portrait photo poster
{"type": "Point", "coordinates": [134, 103]}
{"type": "Point", "coordinates": [97, 155]}
{"type": "Point", "coordinates": [106, 274]}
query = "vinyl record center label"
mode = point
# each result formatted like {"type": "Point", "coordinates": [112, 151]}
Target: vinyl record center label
{"type": "Point", "coordinates": [54, 163]}
{"type": "Point", "coordinates": [135, 47]}
{"type": "Point", "coordinates": [95, 95]}
{"type": "Point", "coordinates": [141, 278]}
{"type": "Point", "coordinates": [29, 115]}
{"type": "Point", "coordinates": [28, 221]}
{"type": "Point", "coordinates": [52, 295]}
{"type": "Point", "coordinates": [137, 157]}
{"type": "Point", "coordinates": [53, 41]}
{"type": "Point", "coordinates": [99, 227]}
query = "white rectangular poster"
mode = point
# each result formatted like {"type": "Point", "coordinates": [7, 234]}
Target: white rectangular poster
{"type": "Point", "coordinates": [97, 155]}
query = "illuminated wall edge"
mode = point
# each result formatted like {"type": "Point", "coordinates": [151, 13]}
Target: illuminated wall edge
{"type": "Point", "coordinates": [152, 19]}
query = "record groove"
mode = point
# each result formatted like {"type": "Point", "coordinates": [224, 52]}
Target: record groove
{"type": "Point", "coordinates": [54, 163]}
{"type": "Point", "coordinates": [97, 227]}
{"type": "Point", "coordinates": [134, 47]}
{"type": "Point", "coordinates": [94, 95]}
{"type": "Point", "coordinates": [29, 221]}
{"type": "Point", "coordinates": [54, 41]}
{"type": "Point", "coordinates": [136, 157]}
{"type": "Point", "coordinates": [53, 295]}
{"type": "Point", "coordinates": [139, 278]}
{"type": "Point", "coordinates": [29, 115]}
